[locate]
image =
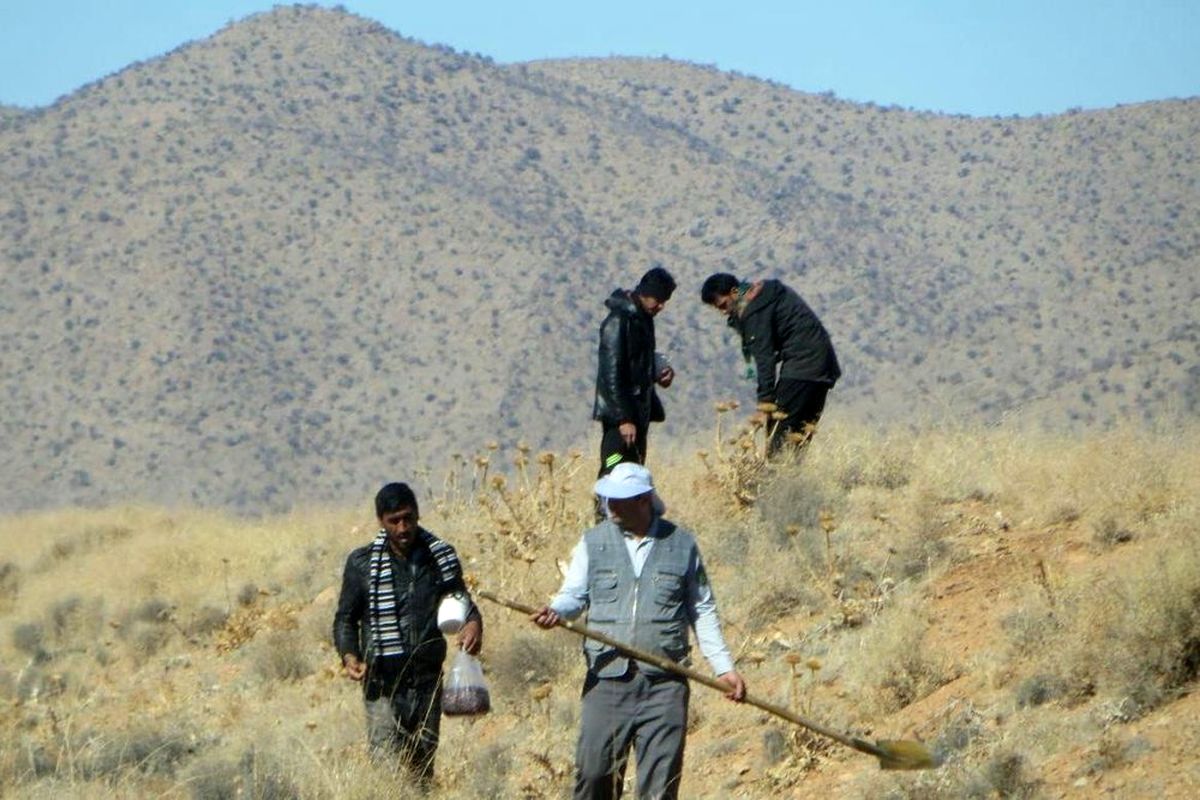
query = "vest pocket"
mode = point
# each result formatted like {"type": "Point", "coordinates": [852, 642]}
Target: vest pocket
{"type": "Point", "coordinates": [668, 587]}
{"type": "Point", "coordinates": [604, 588]}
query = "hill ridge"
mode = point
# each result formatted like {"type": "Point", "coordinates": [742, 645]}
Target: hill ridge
{"type": "Point", "coordinates": [246, 270]}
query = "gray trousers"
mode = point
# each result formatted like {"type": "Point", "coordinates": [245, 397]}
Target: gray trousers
{"type": "Point", "coordinates": [649, 713]}
{"type": "Point", "coordinates": [404, 720]}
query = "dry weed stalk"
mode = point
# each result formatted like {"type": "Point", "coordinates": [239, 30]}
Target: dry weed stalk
{"type": "Point", "coordinates": [804, 748]}
{"type": "Point", "coordinates": [1043, 579]}
{"type": "Point", "coordinates": [740, 464]}
{"type": "Point", "coordinates": [527, 515]}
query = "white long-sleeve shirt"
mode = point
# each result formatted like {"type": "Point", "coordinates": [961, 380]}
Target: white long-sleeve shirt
{"type": "Point", "coordinates": [700, 605]}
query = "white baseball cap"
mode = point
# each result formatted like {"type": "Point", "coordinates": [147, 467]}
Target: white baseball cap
{"type": "Point", "coordinates": [629, 479]}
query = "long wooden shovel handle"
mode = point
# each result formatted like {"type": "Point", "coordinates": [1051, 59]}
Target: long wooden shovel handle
{"type": "Point", "coordinates": [668, 665]}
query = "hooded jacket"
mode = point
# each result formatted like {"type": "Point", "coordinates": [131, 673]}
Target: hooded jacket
{"type": "Point", "coordinates": [778, 328]}
{"type": "Point", "coordinates": [625, 370]}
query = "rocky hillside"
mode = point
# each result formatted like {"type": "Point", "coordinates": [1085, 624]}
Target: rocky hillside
{"type": "Point", "coordinates": [1009, 600]}
{"type": "Point", "coordinates": [281, 264]}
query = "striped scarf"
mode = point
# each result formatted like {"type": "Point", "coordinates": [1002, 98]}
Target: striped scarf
{"type": "Point", "coordinates": [384, 616]}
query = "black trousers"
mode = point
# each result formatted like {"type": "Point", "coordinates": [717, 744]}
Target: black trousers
{"type": "Point", "coordinates": [404, 715]}
{"type": "Point", "coordinates": [803, 402]}
{"type": "Point", "coordinates": [613, 449]}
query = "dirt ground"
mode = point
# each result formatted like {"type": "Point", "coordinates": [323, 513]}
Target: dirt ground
{"type": "Point", "coordinates": [1001, 563]}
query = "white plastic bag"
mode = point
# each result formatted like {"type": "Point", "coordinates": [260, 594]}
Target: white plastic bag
{"type": "Point", "coordinates": [465, 692]}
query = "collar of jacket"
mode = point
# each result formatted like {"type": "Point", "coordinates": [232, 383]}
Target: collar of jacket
{"type": "Point", "coordinates": [756, 297]}
{"type": "Point", "coordinates": [621, 301]}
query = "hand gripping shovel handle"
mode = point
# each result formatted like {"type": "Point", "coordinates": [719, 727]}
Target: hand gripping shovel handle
{"type": "Point", "coordinates": [891, 755]}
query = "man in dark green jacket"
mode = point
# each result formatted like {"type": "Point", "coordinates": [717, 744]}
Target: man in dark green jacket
{"type": "Point", "coordinates": [790, 349]}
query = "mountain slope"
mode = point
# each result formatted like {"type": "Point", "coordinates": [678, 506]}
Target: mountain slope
{"type": "Point", "coordinates": [307, 254]}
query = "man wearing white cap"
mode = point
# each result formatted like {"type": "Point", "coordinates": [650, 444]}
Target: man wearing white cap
{"type": "Point", "coordinates": [642, 581]}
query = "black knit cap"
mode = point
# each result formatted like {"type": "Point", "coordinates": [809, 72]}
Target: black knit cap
{"type": "Point", "coordinates": [656, 283]}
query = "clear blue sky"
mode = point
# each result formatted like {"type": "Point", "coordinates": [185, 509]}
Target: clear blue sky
{"type": "Point", "coordinates": [978, 57]}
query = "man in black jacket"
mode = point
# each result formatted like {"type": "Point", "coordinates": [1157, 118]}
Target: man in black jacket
{"type": "Point", "coordinates": [386, 629]}
{"type": "Point", "coordinates": [780, 334]}
{"type": "Point", "coordinates": [627, 372]}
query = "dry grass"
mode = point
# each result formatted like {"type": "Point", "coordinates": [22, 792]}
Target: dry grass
{"type": "Point", "coordinates": [1131, 637]}
{"type": "Point", "coordinates": [886, 667]}
{"type": "Point", "coordinates": [837, 562]}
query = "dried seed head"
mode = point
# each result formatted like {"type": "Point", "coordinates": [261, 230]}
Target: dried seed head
{"type": "Point", "coordinates": [546, 458]}
{"type": "Point", "coordinates": [767, 408]}
{"type": "Point", "coordinates": [498, 482]}
{"type": "Point", "coordinates": [722, 407]}
{"type": "Point", "coordinates": [792, 530]}
{"type": "Point", "coordinates": [796, 438]}
{"type": "Point", "coordinates": [520, 460]}
{"type": "Point", "coordinates": [793, 658]}
{"type": "Point", "coordinates": [524, 448]}
{"type": "Point", "coordinates": [482, 461]}
{"type": "Point", "coordinates": [813, 663]}
{"type": "Point", "coordinates": [492, 445]}
{"type": "Point", "coordinates": [779, 416]}
{"type": "Point", "coordinates": [701, 454]}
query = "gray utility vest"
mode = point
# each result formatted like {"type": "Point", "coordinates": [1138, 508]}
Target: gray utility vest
{"type": "Point", "coordinates": [649, 612]}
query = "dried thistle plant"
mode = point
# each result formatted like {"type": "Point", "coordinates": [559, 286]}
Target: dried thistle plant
{"type": "Point", "coordinates": [738, 464]}
{"type": "Point", "coordinates": [527, 509]}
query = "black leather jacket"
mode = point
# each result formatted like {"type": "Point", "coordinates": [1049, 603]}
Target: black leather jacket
{"type": "Point", "coordinates": [419, 589]}
{"type": "Point", "coordinates": [625, 372]}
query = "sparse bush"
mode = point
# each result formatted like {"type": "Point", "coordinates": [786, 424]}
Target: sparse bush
{"type": "Point", "coordinates": [793, 499]}
{"type": "Point", "coordinates": [775, 745]}
{"type": "Point", "coordinates": [1006, 775]}
{"type": "Point", "coordinates": [38, 683]}
{"type": "Point", "coordinates": [207, 620]}
{"type": "Point", "coordinates": [960, 732]}
{"type": "Point", "coordinates": [890, 669]}
{"type": "Point", "coordinates": [1113, 752]}
{"type": "Point", "coordinates": [145, 639]}
{"type": "Point", "coordinates": [1109, 532]}
{"type": "Point", "coordinates": [248, 594]}
{"type": "Point", "coordinates": [282, 656]}
{"type": "Point", "coordinates": [1132, 637]}
{"type": "Point", "coordinates": [525, 660]}
{"type": "Point", "coordinates": [788, 600]}
{"type": "Point", "coordinates": [252, 775]}
{"type": "Point", "coordinates": [1031, 629]}
{"type": "Point", "coordinates": [1062, 514]}
{"type": "Point", "coordinates": [10, 585]}
{"type": "Point", "coordinates": [154, 609]}
{"type": "Point", "coordinates": [1039, 689]}
{"type": "Point", "coordinates": [153, 751]}
{"type": "Point", "coordinates": [489, 771]}
{"type": "Point", "coordinates": [74, 622]}
{"type": "Point", "coordinates": [28, 637]}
